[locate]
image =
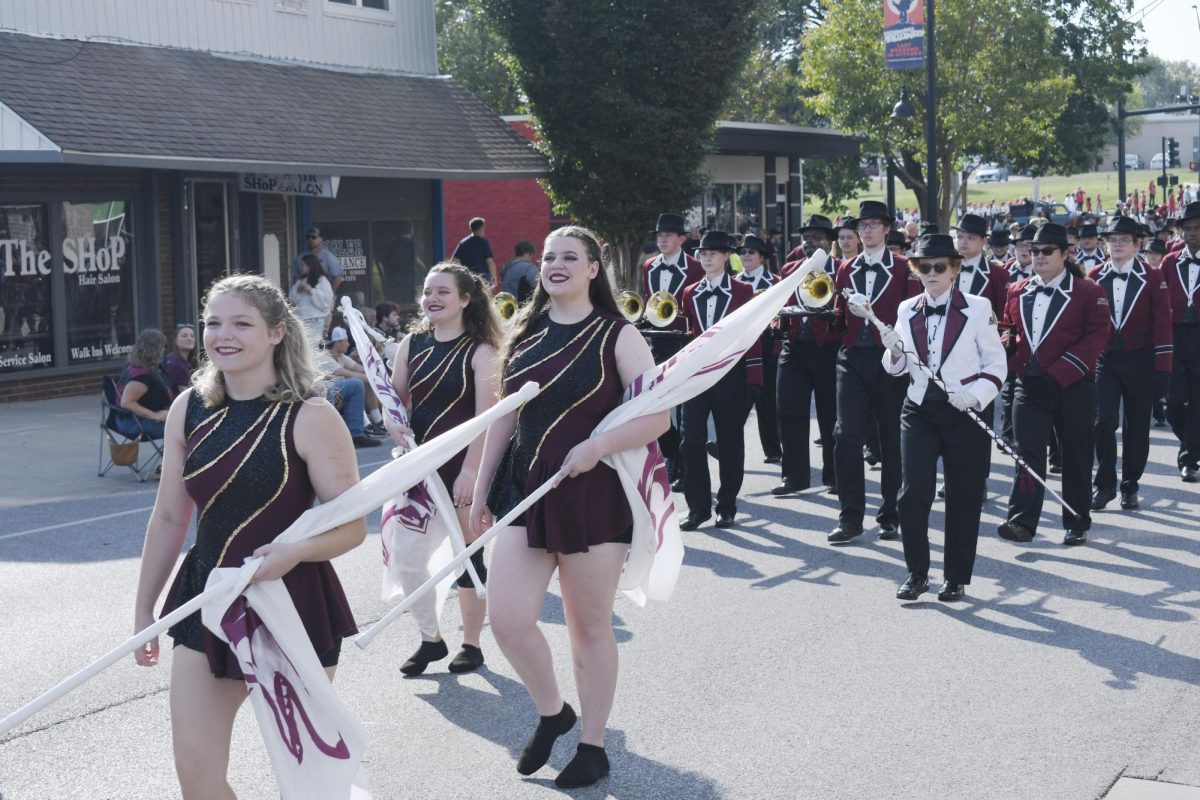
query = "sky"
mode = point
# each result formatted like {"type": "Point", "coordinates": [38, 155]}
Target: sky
{"type": "Point", "coordinates": [1170, 28]}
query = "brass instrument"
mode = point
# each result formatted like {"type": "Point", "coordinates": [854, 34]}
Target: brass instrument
{"type": "Point", "coordinates": [816, 289]}
{"type": "Point", "coordinates": [661, 309]}
{"type": "Point", "coordinates": [506, 305]}
{"type": "Point", "coordinates": [631, 305]}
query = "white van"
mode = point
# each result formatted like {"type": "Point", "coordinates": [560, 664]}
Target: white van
{"type": "Point", "coordinates": [1157, 160]}
{"type": "Point", "coordinates": [1134, 161]}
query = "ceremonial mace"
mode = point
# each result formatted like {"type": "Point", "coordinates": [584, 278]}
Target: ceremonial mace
{"type": "Point", "coordinates": [860, 306]}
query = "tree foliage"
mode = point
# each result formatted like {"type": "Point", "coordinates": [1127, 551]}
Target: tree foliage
{"type": "Point", "coordinates": [1001, 88]}
{"type": "Point", "coordinates": [1162, 81]}
{"type": "Point", "coordinates": [625, 95]}
{"type": "Point", "coordinates": [471, 51]}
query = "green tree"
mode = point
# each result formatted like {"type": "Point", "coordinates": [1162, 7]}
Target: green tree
{"type": "Point", "coordinates": [1162, 81]}
{"type": "Point", "coordinates": [625, 95]}
{"type": "Point", "coordinates": [471, 51]}
{"type": "Point", "coordinates": [1001, 89]}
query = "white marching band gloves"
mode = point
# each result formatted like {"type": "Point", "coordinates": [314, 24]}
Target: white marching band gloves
{"type": "Point", "coordinates": [963, 400]}
{"type": "Point", "coordinates": [892, 341]}
{"type": "Point", "coordinates": [859, 305]}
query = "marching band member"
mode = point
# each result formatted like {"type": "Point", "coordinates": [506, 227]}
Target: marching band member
{"type": "Point", "coordinates": [979, 275]}
{"type": "Point", "coordinates": [1059, 325]}
{"type": "Point", "coordinates": [1000, 246]}
{"type": "Point", "coordinates": [808, 372]}
{"type": "Point", "coordinates": [897, 242]}
{"type": "Point", "coordinates": [670, 271]}
{"type": "Point", "coordinates": [848, 245]}
{"type": "Point", "coordinates": [1156, 251]}
{"type": "Point", "coordinates": [706, 303]}
{"type": "Point", "coordinates": [571, 339]}
{"type": "Point", "coordinates": [1089, 255]}
{"type": "Point", "coordinates": [868, 397]}
{"type": "Point", "coordinates": [446, 374]}
{"type": "Point", "coordinates": [1136, 365]}
{"type": "Point", "coordinates": [1182, 272]}
{"type": "Point", "coordinates": [953, 334]}
{"type": "Point", "coordinates": [754, 252]}
{"type": "Point", "coordinates": [1020, 269]}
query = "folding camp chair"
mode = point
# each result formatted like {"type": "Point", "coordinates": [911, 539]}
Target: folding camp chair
{"type": "Point", "coordinates": [116, 426]}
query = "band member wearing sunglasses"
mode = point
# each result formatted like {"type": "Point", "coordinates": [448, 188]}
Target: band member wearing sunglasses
{"type": "Point", "coordinates": [867, 396]}
{"type": "Point", "coordinates": [1059, 326]}
{"type": "Point", "coordinates": [953, 334]}
{"type": "Point", "coordinates": [1136, 366]}
{"type": "Point", "coordinates": [754, 253]}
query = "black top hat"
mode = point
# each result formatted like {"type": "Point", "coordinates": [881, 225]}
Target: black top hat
{"type": "Point", "coordinates": [1027, 233]}
{"type": "Point", "coordinates": [816, 222]}
{"type": "Point", "coordinates": [1071, 230]}
{"type": "Point", "coordinates": [1146, 232]}
{"type": "Point", "coordinates": [1052, 233]}
{"type": "Point", "coordinates": [1088, 231]}
{"type": "Point", "coordinates": [1157, 246]}
{"type": "Point", "coordinates": [897, 237]}
{"type": "Point", "coordinates": [670, 223]}
{"type": "Point", "coordinates": [715, 240]}
{"type": "Point", "coordinates": [928, 228]}
{"type": "Point", "coordinates": [848, 224]}
{"type": "Point", "coordinates": [1190, 211]}
{"type": "Point", "coordinates": [873, 209]}
{"type": "Point", "coordinates": [999, 236]}
{"type": "Point", "coordinates": [1124, 225]}
{"type": "Point", "coordinates": [972, 223]}
{"type": "Point", "coordinates": [755, 243]}
{"type": "Point", "coordinates": [934, 245]}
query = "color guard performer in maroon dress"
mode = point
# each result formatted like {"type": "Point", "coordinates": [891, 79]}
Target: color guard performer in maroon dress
{"type": "Point", "coordinates": [446, 373]}
{"type": "Point", "coordinates": [572, 340]}
{"type": "Point", "coordinates": [252, 446]}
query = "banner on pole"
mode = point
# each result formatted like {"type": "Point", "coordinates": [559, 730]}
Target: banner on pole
{"type": "Point", "coordinates": [904, 34]}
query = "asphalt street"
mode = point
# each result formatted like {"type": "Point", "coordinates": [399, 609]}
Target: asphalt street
{"type": "Point", "coordinates": [782, 668]}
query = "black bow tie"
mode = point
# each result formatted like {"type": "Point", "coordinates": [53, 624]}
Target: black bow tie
{"type": "Point", "coordinates": [876, 268]}
{"type": "Point", "coordinates": [1120, 276]}
{"type": "Point", "coordinates": [968, 268]}
{"type": "Point", "coordinates": [932, 310]}
{"type": "Point", "coordinates": [1044, 289]}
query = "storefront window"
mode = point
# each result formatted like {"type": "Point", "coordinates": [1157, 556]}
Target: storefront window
{"type": "Point", "coordinates": [718, 207]}
{"type": "Point", "coordinates": [749, 208]}
{"type": "Point", "coordinates": [398, 263]}
{"type": "Point", "coordinates": [97, 264]}
{"type": "Point", "coordinates": [730, 207]}
{"type": "Point", "coordinates": [348, 243]}
{"type": "Point", "coordinates": [26, 325]}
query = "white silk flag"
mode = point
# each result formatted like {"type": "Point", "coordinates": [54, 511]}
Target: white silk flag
{"type": "Point", "coordinates": [656, 553]}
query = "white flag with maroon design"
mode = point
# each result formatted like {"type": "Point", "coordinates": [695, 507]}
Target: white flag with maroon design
{"type": "Point", "coordinates": [656, 553]}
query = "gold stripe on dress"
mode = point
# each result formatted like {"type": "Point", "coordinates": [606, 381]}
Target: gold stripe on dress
{"type": "Point", "coordinates": [274, 410]}
{"type": "Point", "coordinates": [221, 414]}
{"type": "Point", "coordinates": [438, 370]}
{"type": "Point", "coordinates": [595, 388]}
{"type": "Point", "coordinates": [283, 452]}
{"type": "Point", "coordinates": [587, 331]}
{"type": "Point", "coordinates": [461, 392]}
{"type": "Point", "coordinates": [190, 475]}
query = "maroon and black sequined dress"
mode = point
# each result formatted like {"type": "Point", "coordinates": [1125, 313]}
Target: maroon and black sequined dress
{"type": "Point", "coordinates": [441, 386]}
{"type": "Point", "coordinates": [249, 484]}
{"type": "Point", "coordinates": [576, 366]}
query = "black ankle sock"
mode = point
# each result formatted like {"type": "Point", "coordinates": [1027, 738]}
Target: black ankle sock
{"type": "Point", "coordinates": [589, 765]}
{"type": "Point", "coordinates": [537, 750]}
{"type": "Point", "coordinates": [428, 651]}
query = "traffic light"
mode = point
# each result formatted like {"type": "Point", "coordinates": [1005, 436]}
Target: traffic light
{"type": "Point", "coordinates": [1172, 153]}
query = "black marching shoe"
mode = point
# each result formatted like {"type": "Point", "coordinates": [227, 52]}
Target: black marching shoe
{"type": "Point", "coordinates": [941, 490]}
{"type": "Point", "coordinates": [1055, 468]}
{"type": "Point", "coordinates": [843, 533]}
{"type": "Point", "coordinates": [888, 531]}
{"type": "Point", "coordinates": [712, 450]}
{"type": "Point", "coordinates": [693, 521]}
{"type": "Point", "coordinates": [950, 592]}
{"type": "Point", "coordinates": [914, 587]}
{"type": "Point", "coordinates": [773, 460]}
{"type": "Point", "coordinates": [788, 486]}
{"type": "Point", "coordinates": [870, 456]}
{"type": "Point", "coordinates": [589, 765]}
{"type": "Point", "coordinates": [724, 519]}
{"type": "Point", "coordinates": [537, 749]}
{"type": "Point", "coordinates": [469, 659]}
{"type": "Point", "coordinates": [426, 653]}
{"type": "Point", "coordinates": [831, 488]}
{"type": "Point", "coordinates": [1014, 532]}
{"type": "Point", "coordinates": [1075, 537]}
{"type": "Point", "coordinates": [1102, 497]}
{"type": "Point", "coordinates": [1187, 473]}
{"type": "Point", "coordinates": [677, 485]}
{"type": "Point", "coordinates": [1129, 501]}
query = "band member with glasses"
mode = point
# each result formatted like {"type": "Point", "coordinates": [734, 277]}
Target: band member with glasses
{"type": "Point", "coordinates": [754, 253]}
{"type": "Point", "coordinates": [1059, 325]}
{"type": "Point", "coordinates": [867, 396]}
{"type": "Point", "coordinates": [1181, 268]}
{"type": "Point", "coordinates": [953, 334]}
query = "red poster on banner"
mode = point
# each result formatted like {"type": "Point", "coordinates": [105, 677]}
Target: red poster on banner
{"type": "Point", "coordinates": [904, 34]}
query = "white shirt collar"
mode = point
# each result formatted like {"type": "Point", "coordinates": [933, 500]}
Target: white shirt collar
{"type": "Point", "coordinates": [755, 274]}
{"type": "Point", "coordinates": [875, 256]}
{"type": "Point", "coordinates": [1126, 267]}
{"type": "Point", "coordinates": [722, 284]}
{"type": "Point", "coordinates": [941, 301]}
{"type": "Point", "coordinates": [1053, 283]}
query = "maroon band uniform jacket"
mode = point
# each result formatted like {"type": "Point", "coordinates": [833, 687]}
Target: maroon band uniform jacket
{"type": "Point", "coordinates": [893, 284]}
{"type": "Point", "coordinates": [1176, 270]}
{"type": "Point", "coordinates": [728, 295]}
{"type": "Point", "coordinates": [1075, 333]}
{"type": "Point", "coordinates": [819, 329]}
{"type": "Point", "coordinates": [660, 276]}
{"type": "Point", "coordinates": [1146, 315]}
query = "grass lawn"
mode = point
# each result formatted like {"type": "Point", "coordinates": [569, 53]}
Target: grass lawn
{"type": "Point", "coordinates": [1102, 184]}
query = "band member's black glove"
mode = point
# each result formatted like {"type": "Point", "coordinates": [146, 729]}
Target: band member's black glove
{"type": "Point", "coordinates": [1161, 382]}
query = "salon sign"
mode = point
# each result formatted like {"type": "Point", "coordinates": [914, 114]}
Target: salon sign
{"type": "Point", "coordinates": [93, 263]}
{"type": "Point", "coordinates": [301, 185]}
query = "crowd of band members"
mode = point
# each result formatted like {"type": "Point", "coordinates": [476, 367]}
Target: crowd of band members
{"type": "Point", "coordinates": [1073, 332]}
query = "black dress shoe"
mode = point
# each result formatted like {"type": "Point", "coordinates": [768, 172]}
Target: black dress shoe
{"type": "Point", "coordinates": [724, 519]}
{"type": "Point", "coordinates": [1187, 473]}
{"type": "Point", "coordinates": [1102, 497]}
{"type": "Point", "coordinates": [1014, 532]}
{"type": "Point", "coordinates": [712, 449]}
{"type": "Point", "coordinates": [1129, 501]}
{"type": "Point", "coordinates": [888, 531]}
{"type": "Point", "coordinates": [871, 457]}
{"type": "Point", "coordinates": [426, 653]}
{"type": "Point", "coordinates": [788, 486]}
{"type": "Point", "coordinates": [914, 587]}
{"type": "Point", "coordinates": [773, 460]}
{"type": "Point", "coordinates": [469, 659]}
{"type": "Point", "coordinates": [693, 521]}
{"type": "Point", "coordinates": [677, 485]}
{"type": "Point", "coordinates": [941, 490]}
{"type": "Point", "coordinates": [843, 533]}
{"type": "Point", "coordinates": [831, 488]}
{"type": "Point", "coordinates": [1075, 537]}
{"type": "Point", "coordinates": [1160, 422]}
{"type": "Point", "coordinates": [951, 592]}
{"type": "Point", "coordinates": [1055, 469]}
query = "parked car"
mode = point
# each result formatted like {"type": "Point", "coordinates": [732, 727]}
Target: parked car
{"type": "Point", "coordinates": [1134, 161]}
{"type": "Point", "coordinates": [1021, 213]}
{"type": "Point", "coordinates": [1157, 160]}
{"type": "Point", "coordinates": [991, 172]}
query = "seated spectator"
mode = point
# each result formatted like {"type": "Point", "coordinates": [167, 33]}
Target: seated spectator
{"type": "Point", "coordinates": [387, 320]}
{"type": "Point", "coordinates": [520, 275]}
{"type": "Point", "coordinates": [143, 388]}
{"type": "Point", "coordinates": [181, 362]}
{"type": "Point", "coordinates": [312, 296]}
{"type": "Point", "coordinates": [347, 389]}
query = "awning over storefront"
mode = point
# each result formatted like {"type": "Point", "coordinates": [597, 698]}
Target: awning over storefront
{"type": "Point", "coordinates": [753, 138]}
{"type": "Point", "coordinates": [73, 102]}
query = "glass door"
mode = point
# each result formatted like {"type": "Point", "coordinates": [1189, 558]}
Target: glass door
{"type": "Point", "coordinates": [211, 247]}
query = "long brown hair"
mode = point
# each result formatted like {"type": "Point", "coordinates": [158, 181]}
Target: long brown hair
{"type": "Point", "coordinates": [149, 348]}
{"type": "Point", "coordinates": [480, 321]}
{"type": "Point", "coordinates": [600, 291]}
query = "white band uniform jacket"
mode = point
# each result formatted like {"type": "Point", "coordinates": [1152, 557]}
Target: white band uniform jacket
{"type": "Point", "coordinates": [971, 356]}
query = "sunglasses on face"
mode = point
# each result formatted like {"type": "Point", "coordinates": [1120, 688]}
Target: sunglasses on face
{"type": "Point", "coordinates": [939, 267]}
{"type": "Point", "coordinates": [748, 252]}
{"type": "Point", "coordinates": [1043, 251]}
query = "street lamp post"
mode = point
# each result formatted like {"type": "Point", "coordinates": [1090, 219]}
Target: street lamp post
{"type": "Point", "coordinates": [904, 110]}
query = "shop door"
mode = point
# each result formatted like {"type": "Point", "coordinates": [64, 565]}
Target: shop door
{"type": "Point", "coordinates": [211, 247]}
